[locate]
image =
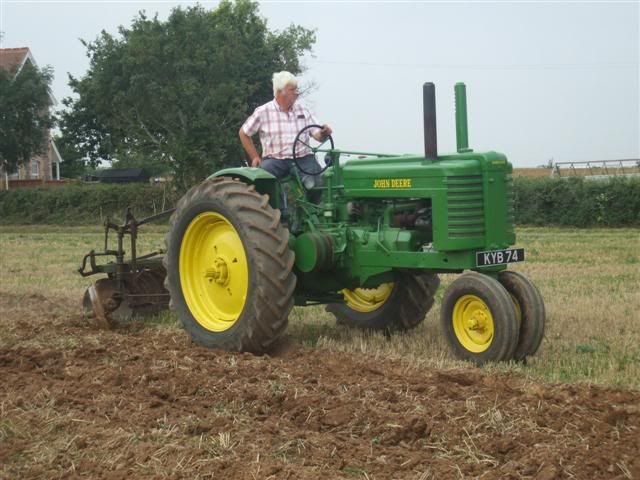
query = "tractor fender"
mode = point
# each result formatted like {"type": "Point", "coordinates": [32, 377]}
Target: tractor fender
{"type": "Point", "coordinates": [264, 182]}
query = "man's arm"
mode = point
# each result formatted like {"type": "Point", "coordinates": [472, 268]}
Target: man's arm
{"type": "Point", "coordinates": [250, 148]}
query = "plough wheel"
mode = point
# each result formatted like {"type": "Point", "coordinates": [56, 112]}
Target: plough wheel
{"type": "Point", "coordinates": [112, 307]}
{"type": "Point", "coordinates": [229, 267]}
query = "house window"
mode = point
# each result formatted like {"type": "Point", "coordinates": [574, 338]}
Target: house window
{"type": "Point", "coordinates": [35, 169]}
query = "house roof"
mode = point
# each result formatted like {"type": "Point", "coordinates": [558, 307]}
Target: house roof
{"type": "Point", "coordinates": [13, 59]}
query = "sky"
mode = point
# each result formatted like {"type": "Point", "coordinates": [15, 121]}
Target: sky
{"type": "Point", "coordinates": [545, 80]}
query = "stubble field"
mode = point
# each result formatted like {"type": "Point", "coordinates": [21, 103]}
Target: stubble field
{"type": "Point", "coordinates": [329, 402]}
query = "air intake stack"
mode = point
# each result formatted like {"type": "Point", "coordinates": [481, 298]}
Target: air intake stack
{"type": "Point", "coordinates": [462, 130]}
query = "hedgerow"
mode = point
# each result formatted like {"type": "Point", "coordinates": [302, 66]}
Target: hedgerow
{"type": "Point", "coordinates": [572, 202]}
{"type": "Point", "coordinates": [82, 204]}
{"type": "Point", "coordinates": [577, 201]}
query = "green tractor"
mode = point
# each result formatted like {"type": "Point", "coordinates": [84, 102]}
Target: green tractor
{"type": "Point", "coordinates": [243, 248]}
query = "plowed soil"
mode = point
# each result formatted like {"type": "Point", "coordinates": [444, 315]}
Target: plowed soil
{"type": "Point", "coordinates": [144, 402]}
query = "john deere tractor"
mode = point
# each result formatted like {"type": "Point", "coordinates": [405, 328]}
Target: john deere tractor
{"type": "Point", "coordinates": [368, 241]}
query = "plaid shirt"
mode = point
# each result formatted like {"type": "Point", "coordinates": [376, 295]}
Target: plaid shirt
{"type": "Point", "coordinates": [278, 129]}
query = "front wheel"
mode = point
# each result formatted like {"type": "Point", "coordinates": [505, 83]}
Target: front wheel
{"type": "Point", "coordinates": [479, 319]}
{"type": "Point", "coordinates": [529, 309]}
{"type": "Point", "coordinates": [229, 267]}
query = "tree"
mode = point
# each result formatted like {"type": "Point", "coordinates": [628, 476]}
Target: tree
{"type": "Point", "coordinates": [24, 115]}
{"type": "Point", "coordinates": [176, 92]}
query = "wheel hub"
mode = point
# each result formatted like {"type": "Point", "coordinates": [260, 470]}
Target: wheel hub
{"type": "Point", "coordinates": [473, 323]}
{"type": "Point", "coordinates": [477, 321]}
{"type": "Point", "coordinates": [218, 272]}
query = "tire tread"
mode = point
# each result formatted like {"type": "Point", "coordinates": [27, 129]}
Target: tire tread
{"type": "Point", "coordinates": [262, 320]}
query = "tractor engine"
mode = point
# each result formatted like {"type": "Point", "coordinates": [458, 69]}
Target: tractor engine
{"type": "Point", "coordinates": [412, 212]}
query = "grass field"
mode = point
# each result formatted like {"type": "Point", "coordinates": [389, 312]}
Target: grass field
{"type": "Point", "coordinates": [588, 278]}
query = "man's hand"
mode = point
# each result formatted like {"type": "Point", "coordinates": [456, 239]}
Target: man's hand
{"type": "Point", "coordinates": [325, 131]}
{"type": "Point", "coordinates": [322, 134]}
{"type": "Point", "coordinates": [256, 161]}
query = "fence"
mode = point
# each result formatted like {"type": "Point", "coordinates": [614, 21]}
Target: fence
{"type": "Point", "coordinates": [36, 183]}
{"type": "Point", "coordinates": [598, 169]}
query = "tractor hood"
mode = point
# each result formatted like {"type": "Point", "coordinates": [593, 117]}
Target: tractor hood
{"type": "Point", "coordinates": [416, 177]}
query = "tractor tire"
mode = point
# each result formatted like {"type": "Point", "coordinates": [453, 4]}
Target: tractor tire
{"type": "Point", "coordinates": [397, 306]}
{"type": "Point", "coordinates": [229, 267]}
{"type": "Point", "coordinates": [530, 312]}
{"type": "Point", "coordinates": [479, 319]}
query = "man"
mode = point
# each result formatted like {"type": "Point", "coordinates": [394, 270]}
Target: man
{"type": "Point", "coordinates": [278, 122]}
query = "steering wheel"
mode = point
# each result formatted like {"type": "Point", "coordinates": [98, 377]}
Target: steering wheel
{"type": "Point", "coordinates": [298, 140]}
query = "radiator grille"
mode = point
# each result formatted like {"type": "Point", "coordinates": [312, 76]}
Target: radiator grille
{"type": "Point", "coordinates": [511, 202]}
{"type": "Point", "coordinates": [465, 205]}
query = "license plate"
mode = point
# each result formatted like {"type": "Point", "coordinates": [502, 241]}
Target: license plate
{"type": "Point", "coordinates": [499, 257]}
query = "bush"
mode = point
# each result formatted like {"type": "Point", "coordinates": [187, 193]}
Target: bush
{"type": "Point", "coordinates": [82, 204]}
{"type": "Point", "coordinates": [577, 202]}
{"type": "Point", "coordinates": [538, 201]}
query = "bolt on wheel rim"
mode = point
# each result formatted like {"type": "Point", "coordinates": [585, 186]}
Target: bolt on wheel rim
{"type": "Point", "coordinates": [473, 323]}
{"type": "Point", "coordinates": [214, 273]}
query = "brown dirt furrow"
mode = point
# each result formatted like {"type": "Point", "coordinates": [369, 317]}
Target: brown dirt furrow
{"type": "Point", "coordinates": [146, 403]}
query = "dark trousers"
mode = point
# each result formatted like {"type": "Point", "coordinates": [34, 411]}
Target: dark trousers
{"type": "Point", "coordinates": [280, 168]}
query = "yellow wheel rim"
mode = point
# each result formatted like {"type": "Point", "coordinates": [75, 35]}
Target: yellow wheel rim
{"type": "Point", "coordinates": [213, 271]}
{"type": "Point", "coordinates": [473, 323]}
{"type": "Point", "coordinates": [367, 299]}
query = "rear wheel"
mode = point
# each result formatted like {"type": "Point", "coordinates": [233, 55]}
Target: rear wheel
{"type": "Point", "coordinates": [400, 305]}
{"type": "Point", "coordinates": [229, 267]}
{"type": "Point", "coordinates": [479, 319]}
{"type": "Point", "coordinates": [529, 309]}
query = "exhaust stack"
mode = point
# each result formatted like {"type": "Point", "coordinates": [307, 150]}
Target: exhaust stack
{"type": "Point", "coordinates": [430, 132]}
{"type": "Point", "coordinates": [462, 130]}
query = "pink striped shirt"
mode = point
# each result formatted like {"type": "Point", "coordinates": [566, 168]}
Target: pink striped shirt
{"type": "Point", "coordinates": [278, 129]}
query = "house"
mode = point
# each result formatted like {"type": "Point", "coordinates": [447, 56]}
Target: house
{"type": "Point", "coordinates": [45, 167]}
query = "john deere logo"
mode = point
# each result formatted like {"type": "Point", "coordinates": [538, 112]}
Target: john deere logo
{"type": "Point", "coordinates": [392, 183]}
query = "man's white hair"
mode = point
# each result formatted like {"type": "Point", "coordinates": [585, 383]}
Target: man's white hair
{"type": "Point", "coordinates": [282, 79]}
